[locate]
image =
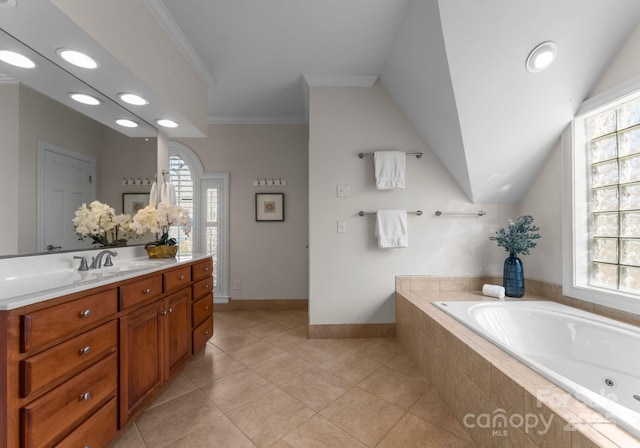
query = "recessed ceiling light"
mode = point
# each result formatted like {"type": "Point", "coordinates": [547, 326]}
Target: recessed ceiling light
{"type": "Point", "coordinates": [77, 58]}
{"type": "Point", "coordinates": [167, 123]}
{"type": "Point", "coordinates": [133, 99]}
{"type": "Point", "coordinates": [7, 3]}
{"type": "Point", "coordinates": [541, 57]}
{"type": "Point", "coordinates": [127, 123]}
{"type": "Point", "coordinates": [85, 99]}
{"type": "Point", "coordinates": [16, 59]}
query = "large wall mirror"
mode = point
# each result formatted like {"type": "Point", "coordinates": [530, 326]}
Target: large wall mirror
{"type": "Point", "coordinates": [34, 127]}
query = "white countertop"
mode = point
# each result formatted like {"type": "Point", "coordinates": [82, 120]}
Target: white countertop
{"type": "Point", "coordinates": [32, 279]}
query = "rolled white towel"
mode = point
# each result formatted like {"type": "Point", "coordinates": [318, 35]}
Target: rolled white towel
{"type": "Point", "coordinates": [493, 291]}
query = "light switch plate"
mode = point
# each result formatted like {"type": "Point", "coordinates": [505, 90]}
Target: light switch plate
{"type": "Point", "coordinates": [343, 191]}
{"type": "Point", "coordinates": [342, 226]}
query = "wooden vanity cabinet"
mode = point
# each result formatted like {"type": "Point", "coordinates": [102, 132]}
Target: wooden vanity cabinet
{"type": "Point", "coordinates": [202, 307]}
{"type": "Point", "coordinates": [74, 370]}
{"type": "Point", "coordinates": [178, 332]}
{"type": "Point", "coordinates": [155, 343]}
{"type": "Point", "coordinates": [141, 359]}
{"type": "Point", "coordinates": [59, 370]}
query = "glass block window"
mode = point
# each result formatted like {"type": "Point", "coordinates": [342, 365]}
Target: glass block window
{"type": "Point", "coordinates": [613, 147]}
{"type": "Point", "coordinates": [183, 181]}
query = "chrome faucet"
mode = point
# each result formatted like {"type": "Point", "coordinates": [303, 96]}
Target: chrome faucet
{"type": "Point", "coordinates": [96, 262]}
{"type": "Point", "coordinates": [83, 263]}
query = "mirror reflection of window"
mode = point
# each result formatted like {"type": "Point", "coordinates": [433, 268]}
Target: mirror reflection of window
{"type": "Point", "coordinates": [182, 179]}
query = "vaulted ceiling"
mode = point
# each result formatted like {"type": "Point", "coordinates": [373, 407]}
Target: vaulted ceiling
{"type": "Point", "coordinates": [456, 68]}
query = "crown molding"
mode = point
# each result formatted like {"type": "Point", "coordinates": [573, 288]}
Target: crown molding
{"type": "Point", "coordinates": [169, 25]}
{"type": "Point", "coordinates": [340, 80]}
{"type": "Point", "coordinates": [6, 79]}
{"type": "Point", "coordinates": [217, 119]}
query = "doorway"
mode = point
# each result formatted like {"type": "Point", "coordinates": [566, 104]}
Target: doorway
{"type": "Point", "coordinates": [66, 180]}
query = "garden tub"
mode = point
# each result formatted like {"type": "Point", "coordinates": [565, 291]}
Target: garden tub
{"type": "Point", "coordinates": [594, 358]}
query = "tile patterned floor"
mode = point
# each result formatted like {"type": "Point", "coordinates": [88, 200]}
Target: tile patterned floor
{"type": "Point", "coordinates": [261, 383]}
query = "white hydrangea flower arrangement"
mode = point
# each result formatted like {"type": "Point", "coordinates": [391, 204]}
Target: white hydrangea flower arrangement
{"type": "Point", "coordinates": [158, 220]}
{"type": "Point", "coordinates": [99, 222]}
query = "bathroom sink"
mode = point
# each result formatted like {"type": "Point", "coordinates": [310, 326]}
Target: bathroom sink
{"type": "Point", "coordinates": [129, 266]}
{"type": "Point", "coordinates": [137, 265]}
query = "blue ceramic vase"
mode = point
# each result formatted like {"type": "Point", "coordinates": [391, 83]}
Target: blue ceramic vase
{"type": "Point", "coordinates": [513, 276]}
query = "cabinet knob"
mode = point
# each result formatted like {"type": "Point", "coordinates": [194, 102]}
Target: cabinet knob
{"type": "Point", "coordinates": [85, 396]}
{"type": "Point", "coordinates": [85, 350]}
{"type": "Point", "coordinates": [85, 313]}
{"type": "Point", "coordinates": [147, 291]}
{"type": "Point", "coordinates": [206, 269]}
{"type": "Point", "coordinates": [206, 308]}
{"type": "Point", "coordinates": [206, 333]}
{"type": "Point", "coordinates": [181, 277]}
{"type": "Point", "coordinates": [170, 310]}
{"type": "Point", "coordinates": [206, 286]}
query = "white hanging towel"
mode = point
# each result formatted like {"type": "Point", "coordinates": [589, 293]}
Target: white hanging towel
{"type": "Point", "coordinates": [153, 195]}
{"type": "Point", "coordinates": [389, 169]}
{"type": "Point", "coordinates": [171, 193]}
{"type": "Point", "coordinates": [168, 193]}
{"type": "Point", "coordinates": [391, 228]}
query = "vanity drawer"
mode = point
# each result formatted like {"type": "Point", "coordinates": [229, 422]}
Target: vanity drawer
{"type": "Point", "coordinates": [140, 291]}
{"type": "Point", "coordinates": [44, 368]}
{"type": "Point", "coordinates": [54, 414]}
{"type": "Point", "coordinates": [97, 431]}
{"type": "Point", "coordinates": [177, 278]}
{"type": "Point", "coordinates": [201, 309]}
{"type": "Point", "coordinates": [202, 334]}
{"type": "Point", "coordinates": [41, 327]}
{"type": "Point", "coordinates": [202, 287]}
{"type": "Point", "coordinates": [202, 269]}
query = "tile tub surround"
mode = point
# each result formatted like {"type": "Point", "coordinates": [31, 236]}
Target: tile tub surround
{"type": "Point", "coordinates": [478, 380]}
{"type": "Point", "coordinates": [535, 290]}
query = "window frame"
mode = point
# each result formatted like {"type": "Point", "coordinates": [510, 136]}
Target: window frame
{"type": "Point", "coordinates": [200, 178]}
{"type": "Point", "coordinates": [576, 207]}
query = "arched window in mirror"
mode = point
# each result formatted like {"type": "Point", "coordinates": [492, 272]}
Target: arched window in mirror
{"type": "Point", "coordinates": [183, 181]}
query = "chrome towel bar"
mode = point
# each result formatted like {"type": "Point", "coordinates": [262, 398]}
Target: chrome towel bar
{"type": "Point", "coordinates": [362, 213]}
{"type": "Point", "coordinates": [370, 154]}
{"type": "Point", "coordinates": [478, 213]}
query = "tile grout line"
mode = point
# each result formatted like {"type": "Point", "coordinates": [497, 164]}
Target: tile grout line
{"type": "Point", "coordinates": [352, 385]}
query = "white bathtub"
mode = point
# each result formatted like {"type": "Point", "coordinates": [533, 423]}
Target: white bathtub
{"type": "Point", "coordinates": [595, 359]}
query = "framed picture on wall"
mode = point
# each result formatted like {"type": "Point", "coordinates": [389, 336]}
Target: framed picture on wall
{"type": "Point", "coordinates": [132, 202]}
{"type": "Point", "coordinates": [269, 206]}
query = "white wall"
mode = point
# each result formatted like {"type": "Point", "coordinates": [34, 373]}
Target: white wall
{"type": "Point", "coordinates": [623, 67]}
{"type": "Point", "coordinates": [351, 280]}
{"type": "Point", "coordinates": [10, 151]}
{"type": "Point", "coordinates": [543, 201]}
{"type": "Point", "coordinates": [270, 259]}
{"type": "Point", "coordinates": [124, 157]}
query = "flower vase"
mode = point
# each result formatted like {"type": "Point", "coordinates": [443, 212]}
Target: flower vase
{"type": "Point", "coordinates": [162, 251]}
{"type": "Point", "coordinates": [513, 276]}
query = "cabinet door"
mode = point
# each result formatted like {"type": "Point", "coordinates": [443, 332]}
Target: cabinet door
{"type": "Point", "coordinates": [141, 358]}
{"type": "Point", "coordinates": [177, 331]}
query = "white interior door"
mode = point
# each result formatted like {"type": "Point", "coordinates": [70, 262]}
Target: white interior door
{"type": "Point", "coordinates": [66, 181]}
